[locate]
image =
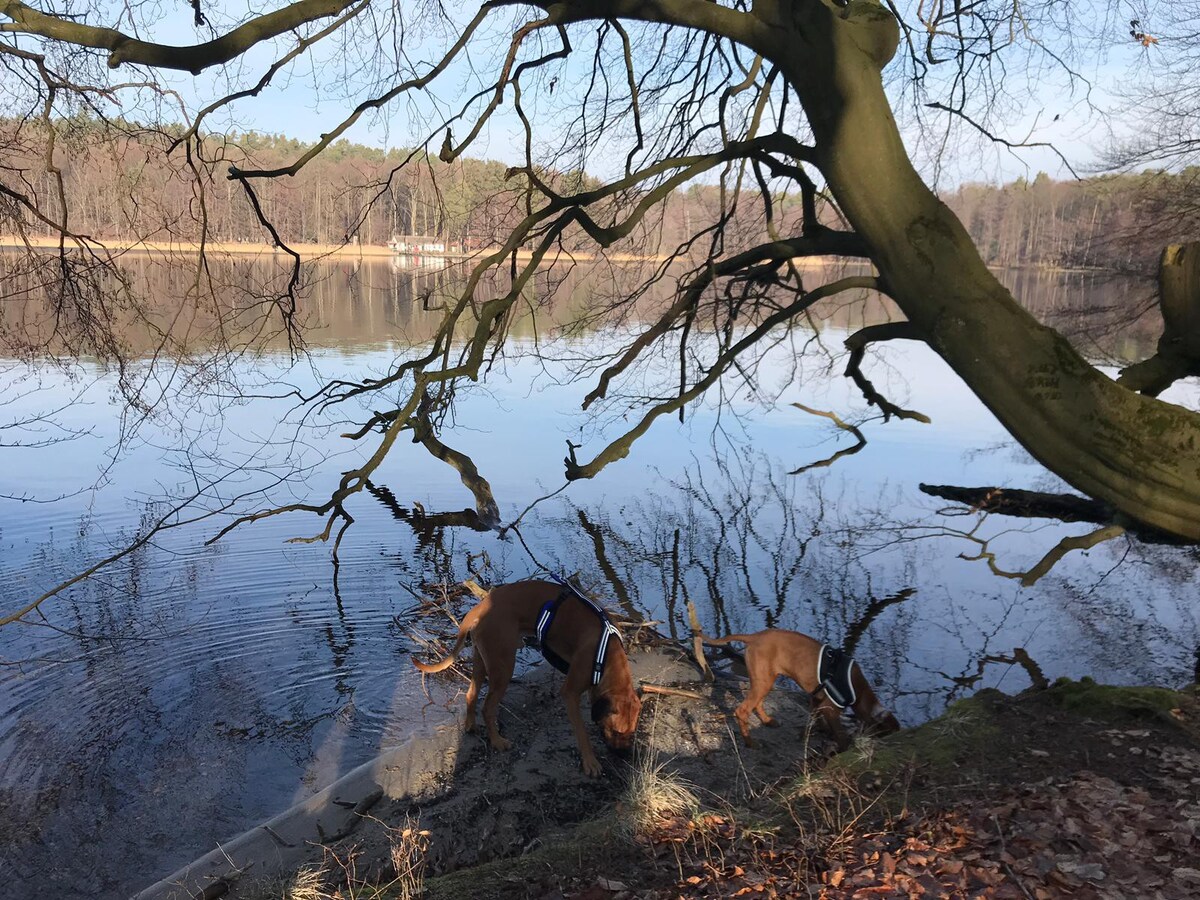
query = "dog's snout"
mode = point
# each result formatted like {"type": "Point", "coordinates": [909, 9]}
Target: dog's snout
{"type": "Point", "coordinates": [618, 741]}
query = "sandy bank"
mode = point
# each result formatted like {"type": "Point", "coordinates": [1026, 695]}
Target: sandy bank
{"type": "Point", "coordinates": [310, 252]}
{"type": "Point", "coordinates": [998, 780]}
{"type": "Point", "coordinates": [479, 805]}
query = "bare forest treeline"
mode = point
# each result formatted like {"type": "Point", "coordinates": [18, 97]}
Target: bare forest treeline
{"type": "Point", "coordinates": [131, 184]}
{"type": "Point", "coordinates": [120, 185]}
{"type": "Point", "coordinates": [1109, 222]}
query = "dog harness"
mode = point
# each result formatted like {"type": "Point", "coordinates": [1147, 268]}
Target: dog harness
{"type": "Point", "coordinates": [833, 674]}
{"type": "Point", "coordinates": [546, 619]}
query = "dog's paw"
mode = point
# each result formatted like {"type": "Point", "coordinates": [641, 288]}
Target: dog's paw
{"type": "Point", "coordinates": [591, 768]}
{"type": "Point", "coordinates": [501, 743]}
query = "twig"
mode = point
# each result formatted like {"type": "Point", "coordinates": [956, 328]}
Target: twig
{"type": "Point", "coordinates": [672, 692]}
{"type": "Point", "coordinates": [275, 836]}
{"type": "Point", "coordinates": [353, 820]}
{"type": "Point", "coordinates": [698, 643]}
{"type": "Point", "coordinates": [1007, 868]}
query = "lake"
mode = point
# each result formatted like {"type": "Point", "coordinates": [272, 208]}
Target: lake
{"type": "Point", "coordinates": [190, 691]}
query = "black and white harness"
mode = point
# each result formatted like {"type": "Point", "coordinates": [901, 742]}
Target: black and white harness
{"type": "Point", "coordinates": [546, 619]}
{"type": "Point", "coordinates": [833, 675]}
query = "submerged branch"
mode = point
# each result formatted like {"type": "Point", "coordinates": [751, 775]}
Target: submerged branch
{"type": "Point", "coordinates": [1041, 505]}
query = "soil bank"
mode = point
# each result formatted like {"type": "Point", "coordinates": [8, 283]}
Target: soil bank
{"type": "Point", "coordinates": [1080, 790]}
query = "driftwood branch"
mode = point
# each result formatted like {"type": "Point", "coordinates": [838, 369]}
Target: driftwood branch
{"type": "Point", "coordinates": [698, 642]}
{"type": "Point", "coordinates": [361, 808]}
{"type": "Point", "coordinates": [669, 691]}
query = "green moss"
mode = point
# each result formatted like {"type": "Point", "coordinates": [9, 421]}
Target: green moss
{"type": "Point", "coordinates": [967, 734]}
{"type": "Point", "coordinates": [964, 729]}
{"type": "Point", "coordinates": [581, 850]}
{"type": "Point", "coordinates": [1105, 701]}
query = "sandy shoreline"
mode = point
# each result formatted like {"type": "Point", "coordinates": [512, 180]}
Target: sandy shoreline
{"type": "Point", "coordinates": [310, 252]}
{"type": "Point", "coordinates": [479, 805]}
{"type": "Point", "coordinates": [307, 251]}
{"type": "Point", "coordinates": [527, 823]}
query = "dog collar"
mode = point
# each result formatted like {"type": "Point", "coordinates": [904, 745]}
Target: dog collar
{"type": "Point", "coordinates": [833, 676]}
{"type": "Point", "coordinates": [546, 619]}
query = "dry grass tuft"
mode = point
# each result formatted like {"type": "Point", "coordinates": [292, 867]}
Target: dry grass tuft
{"type": "Point", "coordinates": [341, 875]}
{"type": "Point", "coordinates": [654, 794]}
{"type": "Point", "coordinates": [409, 854]}
{"type": "Point", "coordinates": [307, 884]}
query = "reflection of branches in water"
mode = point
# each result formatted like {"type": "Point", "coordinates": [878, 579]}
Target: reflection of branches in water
{"type": "Point", "coordinates": [154, 523]}
{"type": "Point", "coordinates": [896, 533]}
{"type": "Point", "coordinates": [1046, 563]}
{"type": "Point", "coordinates": [861, 441]}
{"type": "Point", "coordinates": [1012, 502]}
{"type": "Point", "coordinates": [746, 540]}
{"type": "Point", "coordinates": [1042, 505]}
{"type": "Point", "coordinates": [864, 621]}
{"type": "Point", "coordinates": [434, 532]}
{"type": "Point", "coordinates": [600, 548]}
{"type": "Point", "coordinates": [1132, 628]}
{"type": "Point", "coordinates": [1019, 657]}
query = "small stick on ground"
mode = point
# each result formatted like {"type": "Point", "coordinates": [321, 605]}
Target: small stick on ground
{"type": "Point", "coordinates": [353, 820]}
{"type": "Point", "coordinates": [698, 643]}
{"type": "Point", "coordinates": [671, 692]}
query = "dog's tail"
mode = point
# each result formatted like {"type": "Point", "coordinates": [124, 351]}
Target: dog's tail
{"type": "Point", "coordinates": [728, 639]}
{"type": "Point", "coordinates": [470, 620]}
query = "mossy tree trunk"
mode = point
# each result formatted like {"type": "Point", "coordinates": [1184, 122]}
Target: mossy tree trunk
{"type": "Point", "coordinates": [1178, 353]}
{"type": "Point", "coordinates": [1138, 454]}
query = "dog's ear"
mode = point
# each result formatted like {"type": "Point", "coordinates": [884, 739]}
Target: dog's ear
{"type": "Point", "coordinates": [601, 707]}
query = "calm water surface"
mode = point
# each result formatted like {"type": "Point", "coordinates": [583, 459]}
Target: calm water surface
{"type": "Point", "coordinates": [191, 691]}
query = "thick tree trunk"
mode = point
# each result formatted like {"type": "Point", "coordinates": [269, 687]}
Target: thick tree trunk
{"type": "Point", "coordinates": [1178, 353]}
{"type": "Point", "coordinates": [1136, 453]}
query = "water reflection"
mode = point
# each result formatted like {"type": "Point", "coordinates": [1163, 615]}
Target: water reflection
{"type": "Point", "coordinates": [190, 692]}
{"type": "Point", "coordinates": [368, 302]}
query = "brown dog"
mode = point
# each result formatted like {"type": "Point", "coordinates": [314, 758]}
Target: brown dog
{"type": "Point", "coordinates": [498, 624]}
{"type": "Point", "coordinates": [776, 652]}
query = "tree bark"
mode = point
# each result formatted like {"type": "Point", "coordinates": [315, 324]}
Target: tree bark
{"type": "Point", "coordinates": [1138, 454]}
{"type": "Point", "coordinates": [1178, 353]}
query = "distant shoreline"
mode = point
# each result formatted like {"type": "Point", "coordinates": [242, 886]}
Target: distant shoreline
{"type": "Point", "coordinates": [310, 252]}
{"type": "Point", "coordinates": [307, 251]}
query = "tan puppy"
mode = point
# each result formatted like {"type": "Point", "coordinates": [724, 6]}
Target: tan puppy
{"type": "Point", "coordinates": [498, 625]}
{"type": "Point", "coordinates": [776, 652]}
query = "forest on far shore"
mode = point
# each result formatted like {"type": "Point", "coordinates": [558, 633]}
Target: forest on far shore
{"type": "Point", "coordinates": [122, 186]}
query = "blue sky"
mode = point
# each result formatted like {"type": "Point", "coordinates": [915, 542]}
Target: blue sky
{"type": "Point", "coordinates": [310, 99]}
